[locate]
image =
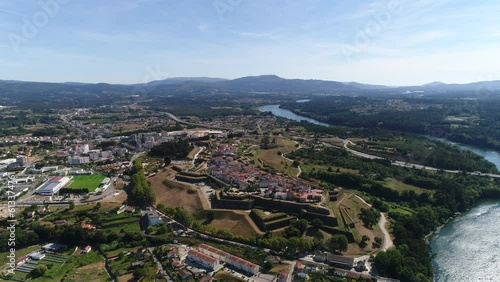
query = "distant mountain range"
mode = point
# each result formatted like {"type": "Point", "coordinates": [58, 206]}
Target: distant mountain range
{"type": "Point", "coordinates": [255, 84]}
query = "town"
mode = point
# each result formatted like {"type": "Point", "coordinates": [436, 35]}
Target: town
{"type": "Point", "coordinates": [66, 180]}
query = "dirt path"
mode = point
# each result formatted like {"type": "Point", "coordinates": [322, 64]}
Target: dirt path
{"type": "Point", "coordinates": [387, 237]}
{"type": "Point", "coordinates": [382, 225]}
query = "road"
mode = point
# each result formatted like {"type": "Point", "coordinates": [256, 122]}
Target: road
{"type": "Point", "coordinates": [209, 237]}
{"type": "Point", "coordinates": [196, 156]}
{"type": "Point", "coordinates": [410, 165]}
{"type": "Point", "coordinates": [135, 156]}
{"type": "Point", "coordinates": [387, 242]}
{"type": "Point", "coordinates": [160, 267]}
{"type": "Point", "coordinates": [172, 116]}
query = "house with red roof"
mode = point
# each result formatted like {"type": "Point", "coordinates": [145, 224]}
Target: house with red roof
{"type": "Point", "coordinates": [203, 259]}
{"type": "Point", "coordinates": [87, 249]}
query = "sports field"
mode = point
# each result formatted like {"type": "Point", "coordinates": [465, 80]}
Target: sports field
{"type": "Point", "coordinates": [90, 182]}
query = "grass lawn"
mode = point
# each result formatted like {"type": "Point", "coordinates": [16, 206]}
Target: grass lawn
{"type": "Point", "coordinates": [92, 272]}
{"type": "Point", "coordinates": [308, 167]}
{"type": "Point", "coordinates": [235, 221]}
{"type": "Point", "coordinates": [271, 158]}
{"type": "Point", "coordinates": [400, 186]}
{"type": "Point", "coordinates": [224, 276]}
{"type": "Point", "coordinates": [122, 266]}
{"type": "Point", "coordinates": [403, 210]}
{"type": "Point", "coordinates": [90, 182]}
{"type": "Point", "coordinates": [78, 211]}
{"type": "Point", "coordinates": [59, 271]}
{"type": "Point", "coordinates": [254, 256]}
{"type": "Point", "coordinates": [116, 222]}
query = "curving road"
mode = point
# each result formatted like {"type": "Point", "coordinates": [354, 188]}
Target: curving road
{"type": "Point", "coordinates": [410, 165]}
{"type": "Point", "coordinates": [382, 222]}
{"type": "Point", "coordinates": [172, 116]}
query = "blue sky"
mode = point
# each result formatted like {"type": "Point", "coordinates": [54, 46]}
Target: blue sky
{"type": "Point", "coordinates": [393, 42]}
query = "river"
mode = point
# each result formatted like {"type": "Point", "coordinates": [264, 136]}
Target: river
{"type": "Point", "coordinates": [467, 248]}
{"type": "Point", "coordinates": [489, 154]}
{"type": "Point", "coordinates": [279, 112]}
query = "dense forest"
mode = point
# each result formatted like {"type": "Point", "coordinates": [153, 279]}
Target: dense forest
{"type": "Point", "coordinates": [172, 149]}
{"type": "Point", "coordinates": [469, 121]}
{"type": "Point", "coordinates": [420, 150]}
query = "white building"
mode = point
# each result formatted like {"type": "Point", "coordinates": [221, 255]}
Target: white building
{"type": "Point", "coordinates": [52, 186]}
{"type": "Point", "coordinates": [106, 154]}
{"type": "Point", "coordinates": [78, 160]}
{"type": "Point", "coordinates": [234, 261]}
{"type": "Point", "coordinates": [243, 264]}
{"type": "Point", "coordinates": [104, 185]}
{"type": "Point", "coordinates": [82, 149]}
{"type": "Point", "coordinates": [95, 155]}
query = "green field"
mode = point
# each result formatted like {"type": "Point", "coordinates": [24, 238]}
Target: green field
{"type": "Point", "coordinates": [90, 182]}
{"type": "Point", "coordinates": [56, 270]}
{"type": "Point", "coordinates": [116, 222]}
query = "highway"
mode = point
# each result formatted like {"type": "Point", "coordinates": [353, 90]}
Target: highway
{"type": "Point", "coordinates": [172, 116]}
{"type": "Point", "coordinates": [410, 165]}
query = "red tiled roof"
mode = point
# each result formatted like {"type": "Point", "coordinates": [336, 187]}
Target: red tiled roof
{"type": "Point", "coordinates": [202, 256]}
{"type": "Point", "coordinates": [283, 276]}
{"type": "Point", "coordinates": [56, 179]}
{"type": "Point", "coordinates": [111, 256]}
{"type": "Point", "coordinates": [230, 258]}
{"type": "Point", "coordinates": [206, 278]}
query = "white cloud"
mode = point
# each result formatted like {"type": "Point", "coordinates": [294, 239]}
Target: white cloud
{"type": "Point", "coordinates": [115, 37]}
{"type": "Point", "coordinates": [203, 27]}
{"type": "Point", "coordinates": [268, 35]}
{"type": "Point", "coordinates": [424, 37]}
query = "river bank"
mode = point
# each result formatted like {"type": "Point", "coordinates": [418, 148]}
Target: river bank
{"type": "Point", "coordinates": [464, 248]}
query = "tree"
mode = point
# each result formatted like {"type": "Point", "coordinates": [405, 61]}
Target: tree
{"type": "Point", "coordinates": [292, 232]}
{"type": "Point", "coordinates": [267, 266]}
{"type": "Point", "coordinates": [39, 271]}
{"type": "Point", "coordinates": [163, 229]}
{"type": "Point", "coordinates": [140, 194]}
{"type": "Point", "coordinates": [317, 223]}
{"type": "Point", "coordinates": [389, 263]}
{"type": "Point", "coordinates": [300, 225]}
{"type": "Point", "coordinates": [338, 243]}
{"type": "Point", "coordinates": [71, 205]}
{"type": "Point", "coordinates": [97, 206]}
{"type": "Point", "coordinates": [183, 216]}
{"type": "Point", "coordinates": [210, 216]}
{"type": "Point", "coordinates": [362, 244]}
{"type": "Point", "coordinates": [369, 217]}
